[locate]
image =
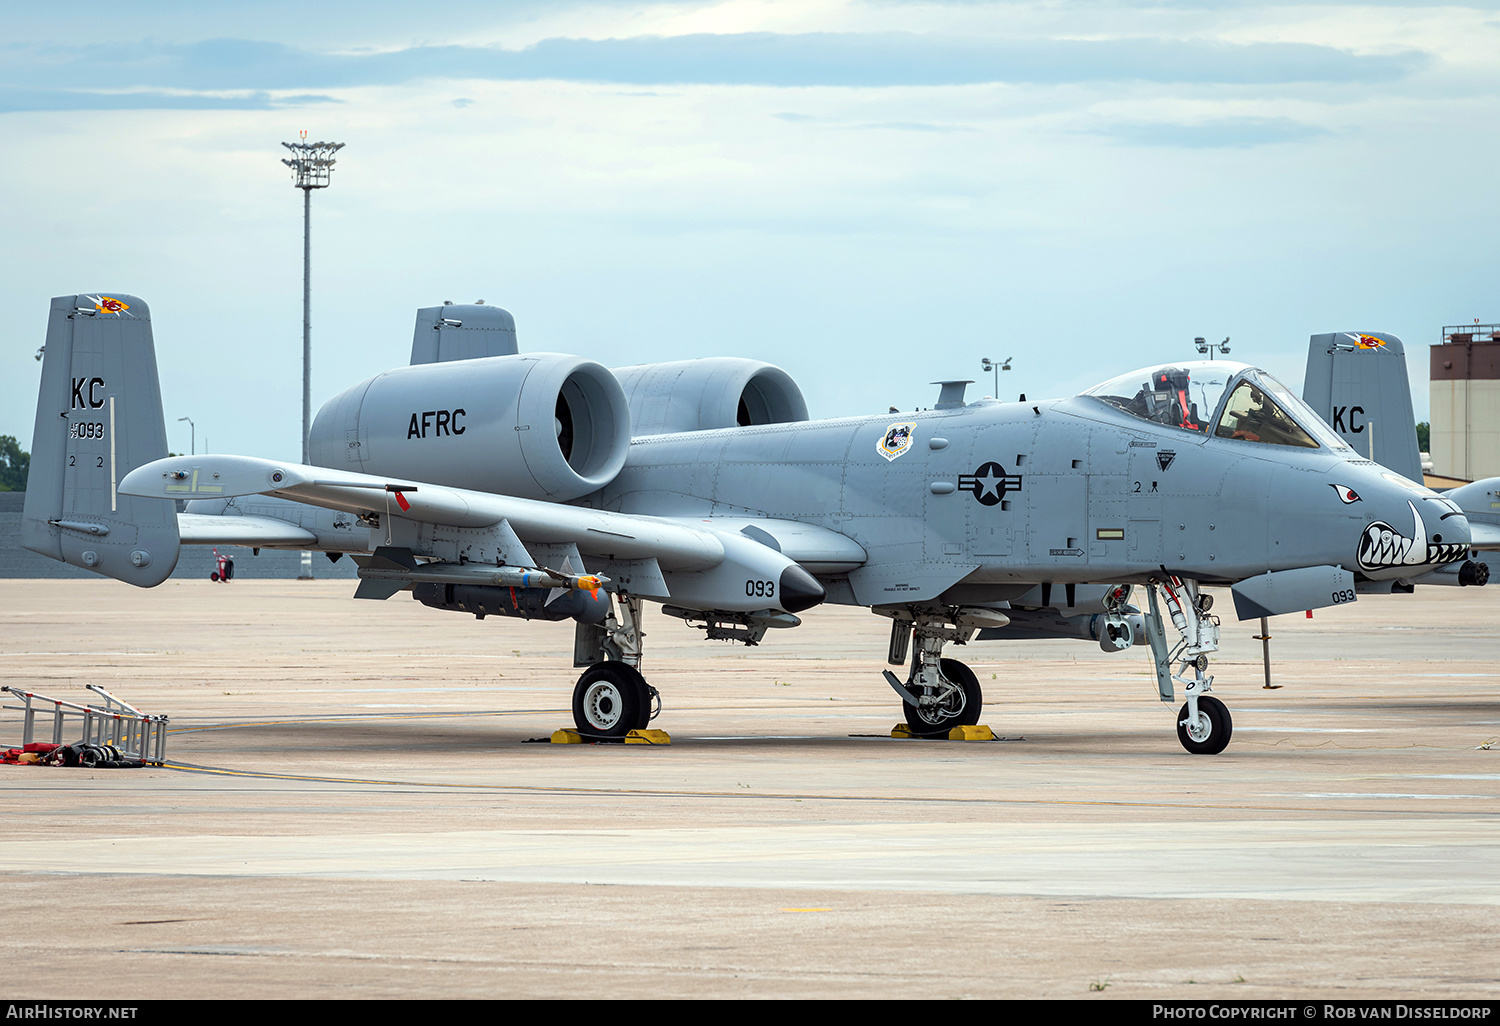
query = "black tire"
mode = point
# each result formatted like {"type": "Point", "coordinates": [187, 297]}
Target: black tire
{"type": "Point", "coordinates": [1215, 729]}
{"type": "Point", "coordinates": [610, 700]}
{"type": "Point", "coordinates": [964, 677]}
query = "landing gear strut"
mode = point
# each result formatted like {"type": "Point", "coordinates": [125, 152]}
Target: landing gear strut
{"type": "Point", "coordinates": [939, 694]}
{"type": "Point", "coordinates": [612, 698]}
{"type": "Point", "coordinates": [1203, 724]}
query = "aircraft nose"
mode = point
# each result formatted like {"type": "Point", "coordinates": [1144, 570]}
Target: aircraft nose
{"type": "Point", "coordinates": [1412, 529]}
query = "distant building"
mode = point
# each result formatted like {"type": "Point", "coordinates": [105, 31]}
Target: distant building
{"type": "Point", "coordinates": [1465, 389]}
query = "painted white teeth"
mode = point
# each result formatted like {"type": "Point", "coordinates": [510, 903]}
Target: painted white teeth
{"type": "Point", "coordinates": [1382, 546]}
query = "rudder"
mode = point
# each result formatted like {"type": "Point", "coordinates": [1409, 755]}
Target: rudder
{"type": "Point", "coordinates": [98, 417]}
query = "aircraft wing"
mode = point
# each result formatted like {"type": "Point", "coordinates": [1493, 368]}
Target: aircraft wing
{"type": "Point", "coordinates": [693, 561]}
{"type": "Point", "coordinates": [614, 535]}
{"type": "Point", "coordinates": [203, 529]}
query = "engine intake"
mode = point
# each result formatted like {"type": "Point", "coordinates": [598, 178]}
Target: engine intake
{"type": "Point", "coordinates": [538, 426]}
{"type": "Point", "coordinates": [716, 392]}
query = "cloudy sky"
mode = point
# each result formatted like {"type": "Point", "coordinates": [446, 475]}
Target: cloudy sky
{"type": "Point", "coordinates": [873, 194]}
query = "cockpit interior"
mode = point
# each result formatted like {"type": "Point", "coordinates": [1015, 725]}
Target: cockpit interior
{"type": "Point", "coordinates": [1219, 398]}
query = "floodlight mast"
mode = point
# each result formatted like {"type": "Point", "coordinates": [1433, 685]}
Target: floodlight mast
{"type": "Point", "coordinates": [1209, 348]}
{"type": "Point", "coordinates": [312, 165]}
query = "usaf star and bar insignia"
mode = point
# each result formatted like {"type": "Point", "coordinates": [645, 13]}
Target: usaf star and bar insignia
{"type": "Point", "coordinates": [989, 483]}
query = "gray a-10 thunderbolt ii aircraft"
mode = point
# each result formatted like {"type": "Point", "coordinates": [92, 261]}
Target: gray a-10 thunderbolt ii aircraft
{"type": "Point", "coordinates": [490, 481]}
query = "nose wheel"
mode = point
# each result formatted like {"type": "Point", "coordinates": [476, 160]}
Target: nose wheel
{"type": "Point", "coordinates": [1207, 733]}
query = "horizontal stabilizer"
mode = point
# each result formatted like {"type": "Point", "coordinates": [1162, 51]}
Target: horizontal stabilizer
{"type": "Point", "coordinates": [1288, 591]}
{"type": "Point", "coordinates": [206, 529]}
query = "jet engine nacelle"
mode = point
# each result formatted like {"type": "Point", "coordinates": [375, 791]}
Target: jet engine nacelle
{"type": "Point", "coordinates": [701, 395]}
{"type": "Point", "coordinates": [536, 425]}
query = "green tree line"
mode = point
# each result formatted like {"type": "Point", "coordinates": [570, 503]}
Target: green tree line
{"type": "Point", "coordinates": [14, 465]}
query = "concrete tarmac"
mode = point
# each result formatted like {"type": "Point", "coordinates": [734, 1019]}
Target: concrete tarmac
{"type": "Point", "coordinates": [352, 810]}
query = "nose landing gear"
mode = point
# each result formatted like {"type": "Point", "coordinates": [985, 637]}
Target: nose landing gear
{"type": "Point", "coordinates": [1204, 725]}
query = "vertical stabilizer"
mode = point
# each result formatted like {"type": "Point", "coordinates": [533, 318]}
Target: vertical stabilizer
{"type": "Point", "coordinates": [98, 417]}
{"type": "Point", "coordinates": [1357, 382]}
{"type": "Point", "coordinates": [462, 331]}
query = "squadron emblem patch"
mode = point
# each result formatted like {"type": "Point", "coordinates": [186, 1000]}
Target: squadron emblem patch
{"type": "Point", "coordinates": [108, 305]}
{"type": "Point", "coordinates": [897, 440]}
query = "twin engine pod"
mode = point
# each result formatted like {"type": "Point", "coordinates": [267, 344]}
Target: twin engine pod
{"type": "Point", "coordinates": [537, 426]}
{"type": "Point", "coordinates": [528, 603]}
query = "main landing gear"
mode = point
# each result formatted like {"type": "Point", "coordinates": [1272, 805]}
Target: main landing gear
{"type": "Point", "coordinates": [1203, 723]}
{"type": "Point", "coordinates": [939, 694]}
{"type": "Point", "coordinates": [612, 698]}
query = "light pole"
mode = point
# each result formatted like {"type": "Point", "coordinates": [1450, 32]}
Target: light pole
{"type": "Point", "coordinates": [311, 164]}
{"type": "Point", "coordinates": [996, 368]}
{"type": "Point", "coordinates": [1209, 348]}
{"type": "Point", "coordinates": [192, 435]}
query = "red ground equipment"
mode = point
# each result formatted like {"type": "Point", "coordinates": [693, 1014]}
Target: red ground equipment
{"type": "Point", "coordinates": [226, 568]}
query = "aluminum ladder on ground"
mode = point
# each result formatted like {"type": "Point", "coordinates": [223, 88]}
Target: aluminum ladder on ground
{"type": "Point", "coordinates": [134, 734]}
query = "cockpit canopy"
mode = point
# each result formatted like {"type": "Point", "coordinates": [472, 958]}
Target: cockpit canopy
{"type": "Point", "coordinates": [1217, 397]}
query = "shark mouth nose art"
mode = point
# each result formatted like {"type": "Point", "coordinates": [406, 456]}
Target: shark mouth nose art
{"type": "Point", "coordinates": [1381, 546]}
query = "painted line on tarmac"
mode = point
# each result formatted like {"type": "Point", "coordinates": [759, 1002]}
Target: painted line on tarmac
{"type": "Point", "coordinates": [742, 794]}
{"type": "Point", "coordinates": [371, 716]}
